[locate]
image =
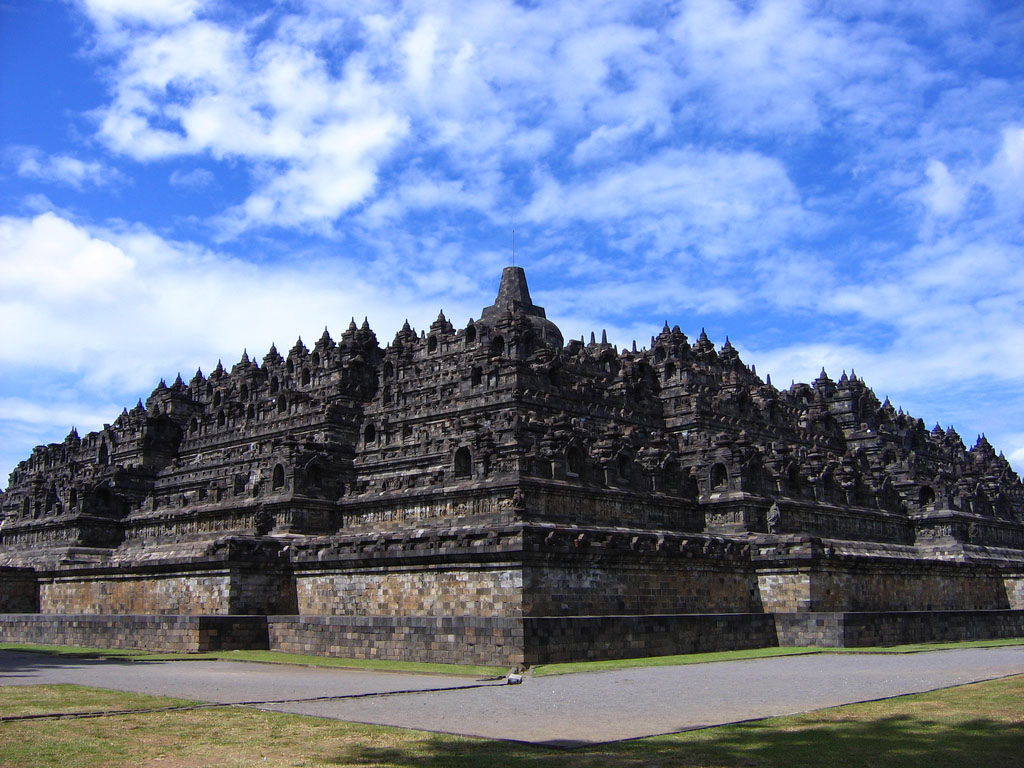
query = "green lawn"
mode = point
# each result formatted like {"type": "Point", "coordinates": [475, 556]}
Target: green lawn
{"type": "Point", "coordinates": [264, 657]}
{"type": "Point", "coordinates": [756, 653]}
{"type": "Point", "coordinates": [973, 725]}
{"type": "Point", "coordinates": [274, 657]}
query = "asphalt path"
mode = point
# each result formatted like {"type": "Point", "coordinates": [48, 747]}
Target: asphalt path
{"type": "Point", "coordinates": [565, 710]}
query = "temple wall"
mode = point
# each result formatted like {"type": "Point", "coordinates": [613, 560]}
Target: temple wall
{"type": "Point", "coordinates": [554, 639]}
{"type": "Point", "coordinates": [1014, 585]}
{"type": "Point", "coordinates": [209, 585]}
{"type": "Point", "coordinates": [785, 591]}
{"type": "Point", "coordinates": [632, 586]}
{"type": "Point", "coordinates": [486, 640]}
{"type": "Point", "coordinates": [19, 590]}
{"type": "Point", "coordinates": [410, 590]}
{"type": "Point", "coordinates": [866, 587]}
{"type": "Point", "coordinates": [382, 513]}
{"type": "Point", "coordinates": [575, 505]}
{"type": "Point", "coordinates": [206, 592]}
{"type": "Point", "coordinates": [189, 634]}
{"type": "Point", "coordinates": [843, 523]}
{"type": "Point", "coordinates": [858, 630]}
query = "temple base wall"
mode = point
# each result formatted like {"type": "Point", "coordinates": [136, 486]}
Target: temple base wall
{"type": "Point", "coordinates": [483, 640]}
{"type": "Point", "coordinates": [238, 575]}
{"type": "Point", "coordinates": [555, 639]}
{"type": "Point", "coordinates": [858, 630]}
{"type": "Point", "coordinates": [503, 594]}
{"type": "Point", "coordinates": [509, 641]}
{"type": "Point", "coordinates": [429, 590]}
{"type": "Point", "coordinates": [629, 586]}
{"type": "Point", "coordinates": [1014, 585]}
{"type": "Point", "coordinates": [19, 590]}
{"type": "Point", "coordinates": [188, 634]}
{"type": "Point", "coordinates": [168, 593]}
{"type": "Point", "coordinates": [873, 587]}
{"type": "Point", "coordinates": [215, 592]}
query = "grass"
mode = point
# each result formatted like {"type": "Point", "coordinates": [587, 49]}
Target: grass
{"type": "Point", "coordinates": [28, 700]}
{"type": "Point", "coordinates": [264, 657]}
{"type": "Point", "coordinates": [414, 667]}
{"type": "Point", "coordinates": [980, 724]}
{"type": "Point", "coordinates": [755, 653]}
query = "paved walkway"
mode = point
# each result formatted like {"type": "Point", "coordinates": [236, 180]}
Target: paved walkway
{"type": "Point", "coordinates": [566, 710]}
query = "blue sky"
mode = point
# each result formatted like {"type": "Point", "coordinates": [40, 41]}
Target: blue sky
{"type": "Point", "coordinates": [835, 184]}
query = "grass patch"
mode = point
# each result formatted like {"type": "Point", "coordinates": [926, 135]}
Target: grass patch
{"type": "Point", "coordinates": [980, 724]}
{"type": "Point", "coordinates": [416, 667]}
{"type": "Point", "coordinates": [754, 653]}
{"type": "Point", "coordinates": [922, 647]}
{"type": "Point", "coordinates": [18, 701]}
{"type": "Point", "coordinates": [667, 661]}
{"type": "Point", "coordinates": [78, 651]}
{"type": "Point", "coordinates": [263, 657]}
{"type": "Point", "coordinates": [423, 668]}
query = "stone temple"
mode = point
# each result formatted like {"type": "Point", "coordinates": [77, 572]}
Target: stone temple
{"type": "Point", "coordinates": [493, 495]}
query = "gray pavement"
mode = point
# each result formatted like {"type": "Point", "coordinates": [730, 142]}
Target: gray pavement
{"type": "Point", "coordinates": [566, 710]}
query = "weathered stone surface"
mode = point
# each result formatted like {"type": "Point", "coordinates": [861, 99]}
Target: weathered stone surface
{"type": "Point", "coordinates": [496, 478]}
{"type": "Point", "coordinates": [839, 630]}
{"type": "Point", "coordinates": [190, 634]}
{"type": "Point", "coordinates": [19, 590]}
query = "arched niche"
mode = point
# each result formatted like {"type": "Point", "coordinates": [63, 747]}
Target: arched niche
{"type": "Point", "coordinates": [574, 461]}
{"type": "Point", "coordinates": [463, 463]}
{"type": "Point", "coordinates": [719, 477]}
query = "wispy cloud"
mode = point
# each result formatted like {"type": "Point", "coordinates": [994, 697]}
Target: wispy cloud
{"type": "Point", "coordinates": [829, 184]}
{"type": "Point", "coordinates": [197, 178]}
{"type": "Point", "coordinates": [33, 163]}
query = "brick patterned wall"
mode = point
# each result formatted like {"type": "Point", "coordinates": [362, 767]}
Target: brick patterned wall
{"type": "Point", "coordinates": [785, 591]}
{"type": "Point", "coordinates": [262, 591]}
{"type": "Point", "coordinates": [637, 586]}
{"type": "Point", "coordinates": [205, 592]}
{"type": "Point", "coordinates": [583, 506]}
{"type": "Point", "coordinates": [158, 633]}
{"type": "Point", "coordinates": [493, 641]}
{"type": "Point", "coordinates": [590, 638]}
{"type": "Point", "coordinates": [1014, 585]}
{"type": "Point", "coordinates": [852, 630]}
{"type": "Point", "coordinates": [881, 588]}
{"type": "Point", "coordinates": [19, 591]}
{"type": "Point", "coordinates": [431, 590]}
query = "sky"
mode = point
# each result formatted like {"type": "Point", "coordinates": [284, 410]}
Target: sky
{"type": "Point", "coordinates": [827, 184]}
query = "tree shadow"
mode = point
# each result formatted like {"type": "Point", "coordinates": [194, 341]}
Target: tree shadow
{"type": "Point", "coordinates": [896, 741]}
{"type": "Point", "coordinates": [16, 663]}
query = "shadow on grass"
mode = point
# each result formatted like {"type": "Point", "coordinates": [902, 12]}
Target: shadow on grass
{"type": "Point", "coordinates": [14, 664]}
{"type": "Point", "coordinates": [898, 741]}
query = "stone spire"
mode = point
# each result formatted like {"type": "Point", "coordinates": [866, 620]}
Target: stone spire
{"type": "Point", "coordinates": [513, 297]}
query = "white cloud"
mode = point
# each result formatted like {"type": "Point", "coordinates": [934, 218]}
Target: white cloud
{"type": "Point", "coordinates": [776, 66]}
{"type": "Point", "coordinates": [1005, 174]}
{"type": "Point", "coordinates": [32, 163]}
{"type": "Point", "coordinates": [106, 13]}
{"type": "Point", "coordinates": [83, 301]}
{"type": "Point", "coordinates": [723, 204]}
{"type": "Point", "coordinates": [322, 101]}
{"type": "Point", "coordinates": [604, 139]}
{"type": "Point", "coordinates": [315, 142]}
{"type": "Point", "coordinates": [197, 178]}
{"type": "Point", "coordinates": [942, 195]}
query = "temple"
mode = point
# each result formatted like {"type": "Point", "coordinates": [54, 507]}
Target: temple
{"type": "Point", "coordinates": [491, 494]}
